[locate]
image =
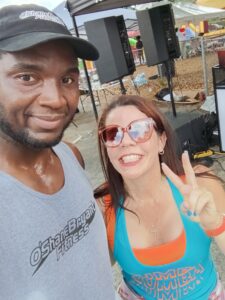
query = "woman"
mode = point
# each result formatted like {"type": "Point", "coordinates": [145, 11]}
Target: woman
{"type": "Point", "coordinates": [160, 216]}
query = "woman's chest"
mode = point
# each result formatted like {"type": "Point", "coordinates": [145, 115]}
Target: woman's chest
{"type": "Point", "coordinates": [153, 226]}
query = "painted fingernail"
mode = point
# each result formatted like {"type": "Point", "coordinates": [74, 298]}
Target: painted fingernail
{"type": "Point", "coordinates": [189, 213]}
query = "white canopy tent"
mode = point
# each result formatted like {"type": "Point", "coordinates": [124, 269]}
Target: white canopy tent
{"type": "Point", "coordinates": [186, 12]}
{"type": "Point", "coordinates": [212, 3]}
{"type": "Point", "coordinates": [128, 14]}
{"type": "Point", "coordinates": [81, 7]}
{"type": "Point", "coordinates": [183, 12]}
{"type": "Point", "coordinates": [63, 12]}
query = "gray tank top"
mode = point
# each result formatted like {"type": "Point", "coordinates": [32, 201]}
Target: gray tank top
{"type": "Point", "coordinates": [53, 247]}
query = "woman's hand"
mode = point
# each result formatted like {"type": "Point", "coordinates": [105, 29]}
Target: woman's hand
{"type": "Point", "coordinates": [198, 202]}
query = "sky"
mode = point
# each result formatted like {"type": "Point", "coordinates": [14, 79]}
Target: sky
{"type": "Point", "coordinates": [50, 4]}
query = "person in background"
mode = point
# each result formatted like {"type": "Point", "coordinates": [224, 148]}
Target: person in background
{"type": "Point", "coordinates": [53, 242]}
{"type": "Point", "coordinates": [161, 213]}
{"type": "Point", "coordinates": [140, 49]}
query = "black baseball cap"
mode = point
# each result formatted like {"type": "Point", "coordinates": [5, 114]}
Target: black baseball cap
{"type": "Point", "coordinates": [25, 26]}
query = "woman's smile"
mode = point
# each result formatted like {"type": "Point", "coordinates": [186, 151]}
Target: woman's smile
{"type": "Point", "coordinates": [130, 159]}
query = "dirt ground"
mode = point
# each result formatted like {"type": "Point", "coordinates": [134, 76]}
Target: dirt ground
{"type": "Point", "coordinates": [188, 79]}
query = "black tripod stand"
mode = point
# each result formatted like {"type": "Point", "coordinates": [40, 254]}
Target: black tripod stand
{"type": "Point", "coordinates": [122, 87]}
{"type": "Point", "coordinates": [169, 75]}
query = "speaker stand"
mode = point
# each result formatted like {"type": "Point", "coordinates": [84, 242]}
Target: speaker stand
{"type": "Point", "coordinates": [170, 86]}
{"type": "Point", "coordinates": [122, 87]}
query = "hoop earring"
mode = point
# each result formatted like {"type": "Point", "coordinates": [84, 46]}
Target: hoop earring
{"type": "Point", "coordinates": [161, 152]}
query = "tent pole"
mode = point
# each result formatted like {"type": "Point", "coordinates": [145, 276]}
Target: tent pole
{"type": "Point", "coordinates": [85, 70]}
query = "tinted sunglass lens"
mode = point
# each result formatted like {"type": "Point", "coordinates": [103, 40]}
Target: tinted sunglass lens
{"type": "Point", "coordinates": [140, 131]}
{"type": "Point", "coordinates": [112, 136]}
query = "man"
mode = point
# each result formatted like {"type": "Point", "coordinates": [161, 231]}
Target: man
{"type": "Point", "coordinates": [53, 244]}
{"type": "Point", "coordinates": [140, 49]}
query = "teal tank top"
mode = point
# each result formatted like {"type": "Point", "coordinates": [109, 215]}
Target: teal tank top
{"type": "Point", "coordinates": [193, 277]}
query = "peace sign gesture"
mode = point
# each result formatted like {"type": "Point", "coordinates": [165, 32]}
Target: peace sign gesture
{"type": "Point", "coordinates": [198, 202]}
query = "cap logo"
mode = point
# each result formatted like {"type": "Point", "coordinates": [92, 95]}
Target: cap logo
{"type": "Point", "coordinates": [41, 15]}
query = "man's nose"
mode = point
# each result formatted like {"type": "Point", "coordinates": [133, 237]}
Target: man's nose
{"type": "Point", "coordinates": [52, 94]}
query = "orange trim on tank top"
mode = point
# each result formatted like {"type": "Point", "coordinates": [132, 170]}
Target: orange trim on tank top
{"type": "Point", "coordinates": [110, 218]}
{"type": "Point", "coordinates": [162, 254]}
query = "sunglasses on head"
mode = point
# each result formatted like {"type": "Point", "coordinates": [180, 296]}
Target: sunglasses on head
{"type": "Point", "coordinates": [139, 131]}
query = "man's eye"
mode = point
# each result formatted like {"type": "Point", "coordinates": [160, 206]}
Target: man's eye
{"type": "Point", "coordinates": [26, 77]}
{"type": "Point", "coordinates": [68, 80]}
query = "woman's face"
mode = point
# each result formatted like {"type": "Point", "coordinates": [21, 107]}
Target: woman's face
{"type": "Point", "coordinates": [131, 159]}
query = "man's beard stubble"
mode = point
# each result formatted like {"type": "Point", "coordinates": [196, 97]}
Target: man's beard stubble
{"type": "Point", "coordinates": [22, 136]}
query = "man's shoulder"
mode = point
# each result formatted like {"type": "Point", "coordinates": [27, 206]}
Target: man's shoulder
{"type": "Point", "coordinates": [77, 153]}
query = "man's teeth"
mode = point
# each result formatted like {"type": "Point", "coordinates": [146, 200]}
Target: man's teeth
{"type": "Point", "coordinates": [130, 158]}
